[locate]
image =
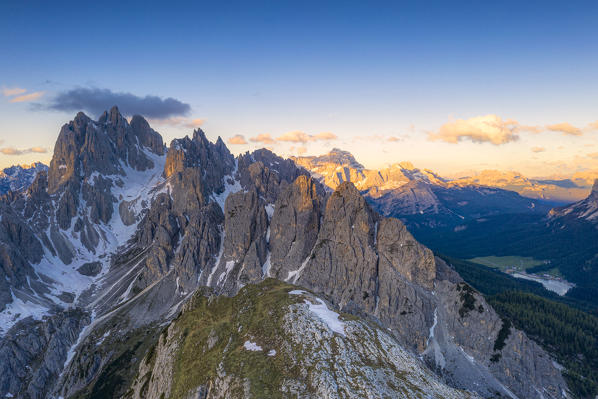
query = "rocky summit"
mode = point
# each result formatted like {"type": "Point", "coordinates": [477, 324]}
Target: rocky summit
{"type": "Point", "coordinates": [132, 269]}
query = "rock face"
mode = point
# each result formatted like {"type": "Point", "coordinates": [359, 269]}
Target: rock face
{"type": "Point", "coordinates": [100, 253]}
{"type": "Point", "coordinates": [36, 353]}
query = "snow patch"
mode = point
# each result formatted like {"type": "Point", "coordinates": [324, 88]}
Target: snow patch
{"type": "Point", "coordinates": [229, 188]}
{"type": "Point", "coordinates": [252, 346]}
{"type": "Point", "coordinates": [266, 266]}
{"type": "Point", "coordinates": [296, 273]}
{"type": "Point", "coordinates": [19, 310]}
{"type": "Point", "coordinates": [329, 317]}
{"type": "Point", "coordinates": [272, 352]}
{"type": "Point", "coordinates": [217, 262]}
{"type": "Point", "coordinates": [229, 266]}
{"type": "Point", "coordinates": [269, 210]}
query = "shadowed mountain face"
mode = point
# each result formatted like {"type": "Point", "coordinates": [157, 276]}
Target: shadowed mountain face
{"type": "Point", "coordinates": [100, 254]}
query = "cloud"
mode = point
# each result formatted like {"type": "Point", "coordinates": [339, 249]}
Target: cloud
{"type": "Point", "coordinates": [237, 139]}
{"type": "Point", "coordinates": [593, 155]}
{"type": "Point", "coordinates": [295, 137]}
{"type": "Point", "coordinates": [177, 121]}
{"type": "Point", "coordinates": [527, 128]}
{"type": "Point", "coordinates": [538, 149]}
{"type": "Point", "coordinates": [194, 123]}
{"type": "Point", "coordinates": [263, 138]}
{"type": "Point", "coordinates": [565, 128]}
{"type": "Point", "coordinates": [394, 139]}
{"type": "Point", "coordinates": [302, 137]}
{"type": "Point", "coordinates": [480, 129]}
{"type": "Point", "coordinates": [593, 126]}
{"type": "Point", "coordinates": [27, 97]}
{"type": "Point", "coordinates": [9, 92]}
{"type": "Point", "coordinates": [14, 151]}
{"type": "Point", "coordinates": [96, 101]}
{"type": "Point", "coordinates": [324, 136]}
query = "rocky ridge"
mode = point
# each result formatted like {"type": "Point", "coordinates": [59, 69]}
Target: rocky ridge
{"type": "Point", "coordinates": [281, 342]}
{"type": "Point", "coordinates": [159, 224]}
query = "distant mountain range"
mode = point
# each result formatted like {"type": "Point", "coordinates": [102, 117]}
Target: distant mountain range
{"type": "Point", "coordinates": [19, 177]}
{"type": "Point", "coordinates": [421, 198]}
{"type": "Point", "coordinates": [560, 190]}
{"type": "Point", "coordinates": [338, 166]}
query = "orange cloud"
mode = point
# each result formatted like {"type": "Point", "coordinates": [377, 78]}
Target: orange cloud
{"type": "Point", "coordinates": [15, 151]}
{"type": "Point", "coordinates": [527, 128]}
{"type": "Point", "coordinates": [593, 126]}
{"type": "Point", "coordinates": [394, 139]}
{"type": "Point", "coordinates": [237, 139]}
{"type": "Point", "coordinates": [480, 129]}
{"type": "Point", "coordinates": [565, 128]}
{"type": "Point", "coordinates": [194, 123]}
{"type": "Point", "coordinates": [177, 121]}
{"type": "Point", "coordinates": [538, 149]}
{"type": "Point", "coordinates": [324, 136]}
{"type": "Point", "coordinates": [593, 155]}
{"type": "Point", "coordinates": [295, 137]}
{"type": "Point", "coordinates": [263, 138]}
{"type": "Point", "coordinates": [27, 97]}
{"type": "Point", "coordinates": [302, 137]}
{"type": "Point", "coordinates": [9, 92]}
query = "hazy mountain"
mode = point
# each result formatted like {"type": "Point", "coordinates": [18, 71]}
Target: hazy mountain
{"type": "Point", "coordinates": [558, 189]}
{"type": "Point", "coordinates": [100, 254]}
{"type": "Point", "coordinates": [19, 177]}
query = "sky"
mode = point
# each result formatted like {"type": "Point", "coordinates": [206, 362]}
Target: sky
{"type": "Point", "coordinates": [450, 86]}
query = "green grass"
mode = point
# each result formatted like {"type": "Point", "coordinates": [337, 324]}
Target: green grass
{"type": "Point", "coordinates": [502, 263]}
{"type": "Point", "coordinates": [254, 314]}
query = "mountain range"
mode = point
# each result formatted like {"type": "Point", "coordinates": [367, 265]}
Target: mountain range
{"type": "Point", "coordinates": [19, 177]}
{"type": "Point", "coordinates": [422, 198]}
{"type": "Point", "coordinates": [133, 269]}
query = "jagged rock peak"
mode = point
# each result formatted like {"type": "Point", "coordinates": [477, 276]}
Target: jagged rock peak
{"type": "Point", "coordinates": [113, 116]}
{"type": "Point", "coordinates": [197, 152]}
{"type": "Point", "coordinates": [595, 188]}
{"type": "Point", "coordinates": [85, 146]}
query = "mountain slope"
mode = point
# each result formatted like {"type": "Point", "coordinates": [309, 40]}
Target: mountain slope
{"type": "Point", "coordinates": [121, 232]}
{"type": "Point", "coordinates": [272, 340]}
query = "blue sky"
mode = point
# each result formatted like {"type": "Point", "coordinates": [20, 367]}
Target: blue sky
{"type": "Point", "coordinates": [363, 71]}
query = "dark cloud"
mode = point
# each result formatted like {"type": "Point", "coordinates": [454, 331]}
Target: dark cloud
{"type": "Point", "coordinates": [95, 101]}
